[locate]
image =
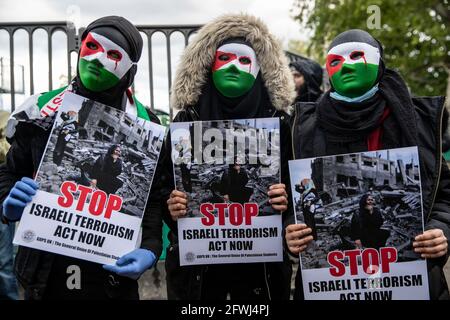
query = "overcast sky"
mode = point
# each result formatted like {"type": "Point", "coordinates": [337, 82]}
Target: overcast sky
{"type": "Point", "coordinates": [276, 14]}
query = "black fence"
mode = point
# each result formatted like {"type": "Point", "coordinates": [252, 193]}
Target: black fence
{"type": "Point", "coordinates": [73, 43]}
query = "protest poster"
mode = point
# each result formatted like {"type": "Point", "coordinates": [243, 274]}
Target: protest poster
{"type": "Point", "coordinates": [365, 210]}
{"type": "Point", "coordinates": [94, 181]}
{"type": "Point", "coordinates": [226, 169]}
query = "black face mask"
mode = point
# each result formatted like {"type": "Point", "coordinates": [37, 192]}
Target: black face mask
{"type": "Point", "coordinates": [124, 34]}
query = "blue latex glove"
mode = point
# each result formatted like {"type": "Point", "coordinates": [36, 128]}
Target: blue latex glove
{"type": "Point", "coordinates": [19, 196]}
{"type": "Point", "coordinates": [133, 264]}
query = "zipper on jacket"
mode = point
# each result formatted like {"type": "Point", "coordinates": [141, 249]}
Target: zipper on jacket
{"type": "Point", "coordinates": [267, 282]}
{"type": "Point", "coordinates": [294, 125]}
{"type": "Point", "coordinates": [438, 162]}
{"type": "Point", "coordinates": [192, 111]}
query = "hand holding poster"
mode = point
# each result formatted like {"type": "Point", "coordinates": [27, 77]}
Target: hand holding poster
{"type": "Point", "coordinates": [226, 169]}
{"type": "Point", "coordinates": [365, 210]}
{"type": "Point", "coordinates": [94, 178]}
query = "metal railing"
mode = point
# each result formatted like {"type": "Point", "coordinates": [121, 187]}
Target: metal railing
{"type": "Point", "coordinates": [186, 30]}
{"type": "Point", "coordinates": [73, 44]}
{"type": "Point", "coordinates": [30, 28]}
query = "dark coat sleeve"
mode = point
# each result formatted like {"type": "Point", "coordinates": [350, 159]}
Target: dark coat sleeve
{"type": "Point", "coordinates": [224, 183]}
{"type": "Point", "coordinates": [440, 213]}
{"type": "Point", "coordinates": [167, 177]}
{"type": "Point", "coordinates": [117, 168]}
{"type": "Point", "coordinates": [286, 155]}
{"type": "Point", "coordinates": [97, 168]}
{"type": "Point", "coordinates": [378, 218]}
{"type": "Point", "coordinates": [244, 176]}
{"type": "Point", "coordinates": [7, 181]}
{"type": "Point", "coordinates": [151, 221]}
{"type": "Point", "coordinates": [20, 159]}
{"type": "Point", "coordinates": [355, 227]}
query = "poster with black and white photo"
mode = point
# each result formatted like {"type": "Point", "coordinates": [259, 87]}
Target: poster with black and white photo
{"type": "Point", "coordinates": [365, 209]}
{"type": "Point", "coordinates": [226, 169]}
{"type": "Point", "coordinates": [94, 180]}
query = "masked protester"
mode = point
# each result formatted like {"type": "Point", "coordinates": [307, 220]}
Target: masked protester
{"type": "Point", "coordinates": [234, 69]}
{"type": "Point", "coordinates": [308, 77]}
{"type": "Point", "coordinates": [369, 108]}
{"type": "Point", "coordinates": [110, 49]}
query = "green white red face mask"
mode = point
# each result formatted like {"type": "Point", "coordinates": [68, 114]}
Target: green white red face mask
{"type": "Point", "coordinates": [235, 69]}
{"type": "Point", "coordinates": [102, 63]}
{"type": "Point", "coordinates": [353, 68]}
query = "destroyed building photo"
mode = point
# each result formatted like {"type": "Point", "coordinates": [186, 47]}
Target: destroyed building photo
{"type": "Point", "coordinates": [392, 180]}
{"type": "Point", "coordinates": [99, 128]}
{"type": "Point", "coordinates": [240, 142]}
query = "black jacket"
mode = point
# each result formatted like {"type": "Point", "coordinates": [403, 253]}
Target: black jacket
{"type": "Point", "coordinates": [233, 185]}
{"type": "Point", "coordinates": [367, 228]}
{"type": "Point", "coordinates": [435, 175]}
{"type": "Point", "coordinates": [185, 283]}
{"type": "Point", "coordinates": [32, 266]}
{"type": "Point", "coordinates": [105, 171]}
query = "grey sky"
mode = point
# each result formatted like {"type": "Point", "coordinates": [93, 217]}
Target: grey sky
{"type": "Point", "coordinates": [276, 14]}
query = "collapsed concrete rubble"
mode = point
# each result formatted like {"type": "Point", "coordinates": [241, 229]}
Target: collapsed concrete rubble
{"type": "Point", "coordinates": [205, 183]}
{"type": "Point", "coordinates": [240, 139]}
{"type": "Point", "coordinates": [402, 214]}
{"type": "Point", "coordinates": [390, 176]}
{"type": "Point", "coordinates": [138, 168]}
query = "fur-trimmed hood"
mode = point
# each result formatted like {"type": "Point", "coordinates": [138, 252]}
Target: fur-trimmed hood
{"type": "Point", "coordinates": [198, 57]}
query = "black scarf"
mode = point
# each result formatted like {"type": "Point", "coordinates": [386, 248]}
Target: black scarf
{"type": "Point", "coordinates": [351, 123]}
{"type": "Point", "coordinates": [213, 105]}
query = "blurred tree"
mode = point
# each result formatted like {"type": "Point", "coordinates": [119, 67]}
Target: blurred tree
{"type": "Point", "coordinates": [414, 35]}
{"type": "Point", "coordinates": [302, 48]}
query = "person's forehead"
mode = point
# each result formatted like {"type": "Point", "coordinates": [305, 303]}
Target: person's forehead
{"type": "Point", "coordinates": [348, 47]}
{"type": "Point", "coordinates": [237, 48]}
{"type": "Point", "coordinates": [104, 41]}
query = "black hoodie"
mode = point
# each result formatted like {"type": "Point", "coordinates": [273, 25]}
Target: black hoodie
{"type": "Point", "coordinates": [313, 74]}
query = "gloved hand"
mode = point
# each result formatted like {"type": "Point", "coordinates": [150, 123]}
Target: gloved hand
{"type": "Point", "coordinates": [19, 196]}
{"type": "Point", "coordinates": [133, 264]}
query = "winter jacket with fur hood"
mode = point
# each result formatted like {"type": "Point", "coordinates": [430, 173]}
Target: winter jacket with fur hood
{"type": "Point", "coordinates": [191, 78]}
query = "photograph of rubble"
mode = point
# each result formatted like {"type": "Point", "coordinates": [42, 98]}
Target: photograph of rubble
{"type": "Point", "coordinates": [103, 148]}
{"type": "Point", "coordinates": [361, 200]}
{"type": "Point", "coordinates": [226, 161]}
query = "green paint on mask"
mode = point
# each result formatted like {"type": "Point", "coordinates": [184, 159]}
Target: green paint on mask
{"type": "Point", "coordinates": [95, 77]}
{"type": "Point", "coordinates": [232, 82]}
{"type": "Point", "coordinates": [353, 80]}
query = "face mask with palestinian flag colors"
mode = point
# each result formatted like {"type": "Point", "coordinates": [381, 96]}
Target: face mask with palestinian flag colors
{"type": "Point", "coordinates": [235, 69]}
{"type": "Point", "coordinates": [353, 68]}
{"type": "Point", "coordinates": [102, 62]}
